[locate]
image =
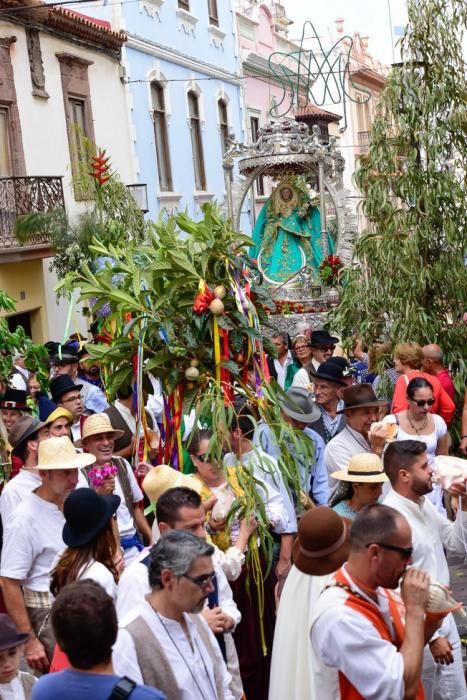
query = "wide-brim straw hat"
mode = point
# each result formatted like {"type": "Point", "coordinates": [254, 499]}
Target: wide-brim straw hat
{"type": "Point", "coordinates": [364, 468]}
{"type": "Point", "coordinates": [299, 405]}
{"type": "Point", "coordinates": [322, 544]}
{"type": "Point", "coordinates": [164, 477]}
{"type": "Point", "coordinates": [97, 424]}
{"type": "Point", "coordinates": [360, 396]}
{"type": "Point", "coordinates": [60, 453]}
{"type": "Point", "coordinates": [87, 513]}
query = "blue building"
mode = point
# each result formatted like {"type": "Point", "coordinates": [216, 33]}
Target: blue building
{"type": "Point", "coordinates": [184, 95]}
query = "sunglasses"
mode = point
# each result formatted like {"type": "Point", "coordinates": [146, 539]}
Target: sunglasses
{"type": "Point", "coordinates": [423, 402]}
{"type": "Point", "coordinates": [405, 552]}
{"type": "Point", "coordinates": [201, 581]}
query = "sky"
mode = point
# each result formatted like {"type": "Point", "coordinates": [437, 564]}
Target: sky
{"type": "Point", "coordinates": [372, 18]}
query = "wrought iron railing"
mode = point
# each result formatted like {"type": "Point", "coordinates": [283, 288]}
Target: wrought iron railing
{"type": "Point", "coordinates": [25, 195]}
{"type": "Point", "coordinates": [363, 141]}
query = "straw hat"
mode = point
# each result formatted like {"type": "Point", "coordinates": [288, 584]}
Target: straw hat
{"type": "Point", "coordinates": [59, 412]}
{"type": "Point", "coordinates": [164, 477]}
{"type": "Point", "coordinates": [322, 544]}
{"type": "Point", "coordinates": [60, 453]}
{"type": "Point", "coordinates": [97, 424]}
{"type": "Point", "coordinates": [364, 468]}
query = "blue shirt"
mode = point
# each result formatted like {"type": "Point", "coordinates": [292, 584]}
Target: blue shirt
{"type": "Point", "coordinates": [265, 439]}
{"type": "Point", "coordinates": [75, 685]}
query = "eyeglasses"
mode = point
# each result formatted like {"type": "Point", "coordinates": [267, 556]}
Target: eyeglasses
{"type": "Point", "coordinates": [201, 581]}
{"type": "Point", "coordinates": [405, 552]}
{"type": "Point", "coordinates": [72, 399]}
{"type": "Point", "coordinates": [423, 402]}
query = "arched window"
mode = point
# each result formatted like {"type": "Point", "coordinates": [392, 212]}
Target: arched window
{"type": "Point", "coordinates": [196, 141]}
{"type": "Point", "coordinates": [223, 123]}
{"type": "Point", "coordinates": [161, 137]}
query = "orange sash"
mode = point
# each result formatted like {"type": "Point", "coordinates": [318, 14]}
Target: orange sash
{"type": "Point", "coordinates": [347, 690]}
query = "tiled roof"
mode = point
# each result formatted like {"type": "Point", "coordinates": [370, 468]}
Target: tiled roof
{"type": "Point", "coordinates": [317, 112]}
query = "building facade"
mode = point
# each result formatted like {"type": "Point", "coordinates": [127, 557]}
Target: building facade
{"type": "Point", "coordinates": [184, 95]}
{"type": "Point", "coordinates": [60, 76]}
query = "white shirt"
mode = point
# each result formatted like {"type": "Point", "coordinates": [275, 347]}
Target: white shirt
{"type": "Point", "coordinates": [13, 690]}
{"type": "Point", "coordinates": [301, 379]}
{"type": "Point", "coordinates": [31, 541]}
{"type": "Point", "coordinates": [341, 448]}
{"type": "Point", "coordinates": [271, 489]}
{"type": "Point", "coordinates": [345, 640]}
{"type": "Point", "coordinates": [19, 379]}
{"type": "Point", "coordinates": [187, 662]}
{"type": "Point", "coordinates": [133, 586]}
{"type": "Point", "coordinates": [281, 369]}
{"type": "Point", "coordinates": [94, 571]}
{"type": "Point", "coordinates": [16, 490]}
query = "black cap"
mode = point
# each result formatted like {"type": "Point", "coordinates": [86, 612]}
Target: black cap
{"type": "Point", "coordinates": [15, 399]}
{"type": "Point", "coordinates": [61, 385]}
{"type": "Point", "coordinates": [86, 513]}
{"type": "Point", "coordinates": [322, 337]}
{"type": "Point", "coordinates": [331, 372]}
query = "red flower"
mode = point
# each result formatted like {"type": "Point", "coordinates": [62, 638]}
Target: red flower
{"type": "Point", "coordinates": [100, 167]}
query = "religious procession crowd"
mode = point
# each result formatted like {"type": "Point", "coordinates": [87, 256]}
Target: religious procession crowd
{"type": "Point", "coordinates": [124, 577]}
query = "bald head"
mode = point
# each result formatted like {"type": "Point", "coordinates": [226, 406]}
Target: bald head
{"type": "Point", "coordinates": [432, 358]}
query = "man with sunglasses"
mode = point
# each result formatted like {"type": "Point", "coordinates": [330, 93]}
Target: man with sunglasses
{"type": "Point", "coordinates": [362, 646]}
{"type": "Point", "coordinates": [322, 345]}
{"type": "Point", "coordinates": [164, 643]}
{"type": "Point", "coordinates": [407, 466]}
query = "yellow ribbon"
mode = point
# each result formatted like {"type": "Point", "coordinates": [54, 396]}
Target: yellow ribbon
{"type": "Point", "coordinates": [217, 349]}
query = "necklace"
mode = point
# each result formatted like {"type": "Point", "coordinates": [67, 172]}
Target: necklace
{"type": "Point", "coordinates": [422, 427]}
{"type": "Point", "coordinates": [167, 631]}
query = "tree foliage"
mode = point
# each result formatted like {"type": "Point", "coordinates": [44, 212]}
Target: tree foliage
{"type": "Point", "coordinates": [409, 279]}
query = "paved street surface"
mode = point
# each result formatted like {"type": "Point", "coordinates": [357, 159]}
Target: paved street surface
{"type": "Point", "coordinates": [458, 569]}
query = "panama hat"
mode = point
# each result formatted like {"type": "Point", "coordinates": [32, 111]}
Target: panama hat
{"type": "Point", "coordinates": [9, 635]}
{"type": "Point", "coordinates": [364, 468]}
{"type": "Point", "coordinates": [322, 544]}
{"type": "Point", "coordinates": [60, 453]}
{"type": "Point", "coordinates": [299, 405]}
{"type": "Point", "coordinates": [97, 424]}
{"type": "Point", "coordinates": [86, 514]}
{"type": "Point", "coordinates": [360, 396]}
{"type": "Point", "coordinates": [164, 477]}
{"type": "Point", "coordinates": [22, 431]}
{"type": "Point", "coordinates": [59, 412]}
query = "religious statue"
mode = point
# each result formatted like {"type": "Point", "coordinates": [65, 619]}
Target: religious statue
{"type": "Point", "coordinates": [287, 234]}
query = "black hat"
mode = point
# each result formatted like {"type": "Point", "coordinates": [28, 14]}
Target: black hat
{"type": "Point", "coordinates": [61, 385]}
{"type": "Point", "coordinates": [9, 636]}
{"type": "Point", "coordinates": [322, 338]}
{"type": "Point", "coordinates": [360, 396]}
{"type": "Point", "coordinates": [86, 514]}
{"type": "Point", "coordinates": [65, 354]}
{"type": "Point", "coordinates": [22, 431]}
{"type": "Point", "coordinates": [331, 372]}
{"type": "Point", "coordinates": [15, 399]}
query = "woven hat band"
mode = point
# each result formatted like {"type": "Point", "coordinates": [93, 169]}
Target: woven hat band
{"type": "Point", "coordinates": [353, 472]}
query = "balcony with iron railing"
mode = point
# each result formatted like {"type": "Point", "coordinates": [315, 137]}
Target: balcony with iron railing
{"type": "Point", "coordinates": [363, 141]}
{"type": "Point", "coordinates": [26, 195]}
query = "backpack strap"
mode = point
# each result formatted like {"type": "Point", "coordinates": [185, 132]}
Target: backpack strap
{"type": "Point", "coordinates": [122, 689]}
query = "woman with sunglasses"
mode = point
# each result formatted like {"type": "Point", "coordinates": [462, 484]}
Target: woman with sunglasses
{"type": "Point", "coordinates": [418, 423]}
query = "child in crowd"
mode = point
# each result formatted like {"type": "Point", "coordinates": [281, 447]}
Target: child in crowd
{"type": "Point", "coordinates": [14, 684]}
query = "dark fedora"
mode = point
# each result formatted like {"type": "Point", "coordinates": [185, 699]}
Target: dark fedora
{"type": "Point", "coordinates": [9, 636]}
{"type": "Point", "coordinates": [331, 372]}
{"type": "Point", "coordinates": [65, 354]}
{"type": "Point", "coordinates": [86, 514]}
{"type": "Point", "coordinates": [23, 430]}
{"type": "Point", "coordinates": [62, 385]}
{"type": "Point", "coordinates": [15, 399]}
{"type": "Point", "coordinates": [299, 405]}
{"type": "Point", "coordinates": [322, 337]}
{"type": "Point", "coordinates": [360, 396]}
{"type": "Point", "coordinates": [322, 544]}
